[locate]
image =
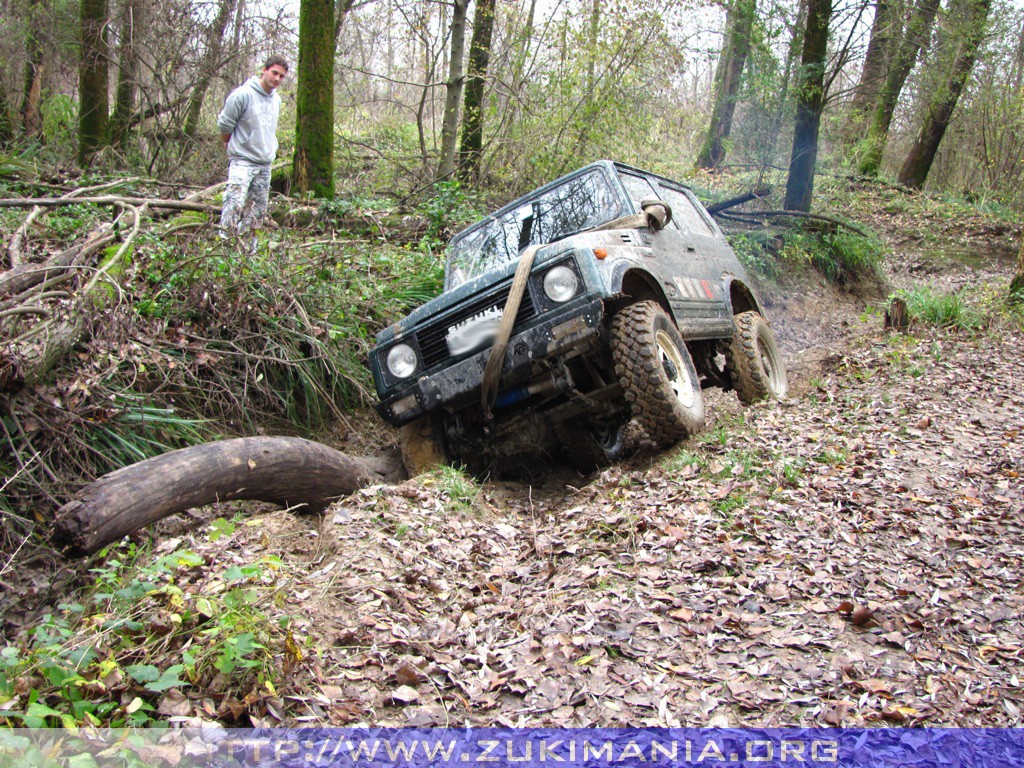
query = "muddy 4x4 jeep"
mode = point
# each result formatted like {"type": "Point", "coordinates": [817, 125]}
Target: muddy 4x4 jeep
{"type": "Point", "coordinates": [605, 295]}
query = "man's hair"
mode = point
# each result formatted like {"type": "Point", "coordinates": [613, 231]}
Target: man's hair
{"type": "Point", "coordinates": [278, 60]}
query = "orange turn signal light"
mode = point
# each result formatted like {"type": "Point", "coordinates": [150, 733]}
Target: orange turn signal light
{"type": "Point", "coordinates": [601, 253]}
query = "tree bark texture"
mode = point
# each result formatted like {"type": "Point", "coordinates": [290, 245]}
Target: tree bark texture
{"type": "Point", "coordinates": [208, 68]}
{"type": "Point", "coordinates": [132, 22]}
{"type": "Point", "coordinates": [728, 74]}
{"type": "Point", "coordinates": [6, 124]}
{"type": "Point", "coordinates": [35, 67]}
{"type": "Point", "coordinates": [289, 471]}
{"type": "Point", "coordinates": [94, 101]}
{"type": "Point", "coordinates": [915, 39]}
{"type": "Point", "coordinates": [964, 34]}
{"type": "Point", "coordinates": [453, 89]}
{"type": "Point", "coordinates": [313, 169]}
{"type": "Point", "coordinates": [876, 59]}
{"type": "Point", "coordinates": [1017, 285]}
{"type": "Point", "coordinates": [341, 10]}
{"type": "Point", "coordinates": [810, 98]}
{"type": "Point", "coordinates": [472, 142]}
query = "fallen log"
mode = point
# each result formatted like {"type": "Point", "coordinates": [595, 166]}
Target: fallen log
{"type": "Point", "coordinates": [732, 202]}
{"type": "Point", "coordinates": [289, 471]}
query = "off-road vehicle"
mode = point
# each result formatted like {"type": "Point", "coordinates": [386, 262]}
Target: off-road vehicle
{"type": "Point", "coordinates": [607, 294]}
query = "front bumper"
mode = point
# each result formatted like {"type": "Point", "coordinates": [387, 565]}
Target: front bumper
{"type": "Point", "coordinates": [459, 384]}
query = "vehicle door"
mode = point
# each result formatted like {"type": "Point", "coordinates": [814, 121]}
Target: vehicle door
{"type": "Point", "coordinates": [686, 255]}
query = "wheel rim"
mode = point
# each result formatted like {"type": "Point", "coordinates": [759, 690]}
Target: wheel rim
{"type": "Point", "coordinates": [675, 370]}
{"type": "Point", "coordinates": [769, 364]}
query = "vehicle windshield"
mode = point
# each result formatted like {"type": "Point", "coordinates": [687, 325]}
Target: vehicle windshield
{"type": "Point", "coordinates": [580, 203]}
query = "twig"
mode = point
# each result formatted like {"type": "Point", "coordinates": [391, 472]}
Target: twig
{"type": "Point", "coordinates": [50, 202]}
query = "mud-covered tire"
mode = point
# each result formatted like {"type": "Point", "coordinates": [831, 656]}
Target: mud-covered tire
{"type": "Point", "coordinates": [589, 447]}
{"type": "Point", "coordinates": [754, 361]}
{"type": "Point", "coordinates": [657, 373]}
{"type": "Point", "coordinates": [422, 446]}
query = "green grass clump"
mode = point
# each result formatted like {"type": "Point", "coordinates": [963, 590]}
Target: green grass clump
{"type": "Point", "coordinates": [945, 310]}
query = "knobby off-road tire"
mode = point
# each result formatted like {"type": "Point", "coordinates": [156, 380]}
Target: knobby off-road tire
{"type": "Point", "coordinates": [657, 373]}
{"type": "Point", "coordinates": [422, 446]}
{"type": "Point", "coordinates": [589, 447]}
{"type": "Point", "coordinates": [754, 360]}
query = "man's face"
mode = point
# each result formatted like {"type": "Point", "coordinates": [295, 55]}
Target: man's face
{"type": "Point", "coordinates": [272, 77]}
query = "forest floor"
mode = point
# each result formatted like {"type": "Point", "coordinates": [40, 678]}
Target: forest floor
{"type": "Point", "coordinates": [849, 556]}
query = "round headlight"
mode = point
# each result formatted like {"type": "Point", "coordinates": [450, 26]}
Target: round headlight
{"type": "Point", "coordinates": [401, 361]}
{"type": "Point", "coordinates": [561, 284]}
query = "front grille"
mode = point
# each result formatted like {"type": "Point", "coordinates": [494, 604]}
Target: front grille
{"type": "Point", "coordinates": [431, 339]}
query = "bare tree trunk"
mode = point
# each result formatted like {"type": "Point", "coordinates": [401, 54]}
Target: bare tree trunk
{"type": "Point", "coordinates": [208, 68]}
{"type": "Point", "coordinates": [6, 124]}
{"type": "Point", "coordinates": [127, 71]}
{"type": "Point", "coordinates": [739, 22]}
{"type": "Point", "coordinates": [1017, 285]}
{"type": "Point", "coordinates": [875, 61]}
{"type": "Point", "coordinates": [237, 69]}
{"type": "Point", "coordinates": [340, 12]}
{"type": "Point", "coordinates": [35, 67]}
{"type": "Point", "coordinates": [94, 101]}
{"type": "Point", "coordinates": [964, 35]}
{"type": "Point", "coordinates": [810, 99]}
{"type": "Point", "coordinates": [792, 52]}
{"type": "Point", "coordinates": [453, 90]}
{"type": "Point", "coordinates": [283, 470]}
{"type": "Point", "coordinates": [471, 145]}
{"type": "Point", "coordinates": [914, 40]}
{"type": "Point", "coordinates": [313, 169]}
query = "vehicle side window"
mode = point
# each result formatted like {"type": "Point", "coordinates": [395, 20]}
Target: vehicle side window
{"type": "Point", "coordinates": [685, 213]}
{"type": "Point", "coordinates": [639, 188]}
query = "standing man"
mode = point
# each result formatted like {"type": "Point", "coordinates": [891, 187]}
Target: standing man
{"type": "Point", "coordinates": [248, 128]}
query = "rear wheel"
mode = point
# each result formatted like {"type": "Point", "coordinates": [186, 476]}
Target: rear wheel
{"type": "Point", "coordinates": [422, 445]}
{"type": "Point", "coordinates": [755, 361]}
{"type": "Point", "coordinates": [657, 373]}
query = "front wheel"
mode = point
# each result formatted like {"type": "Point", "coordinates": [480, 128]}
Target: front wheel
{"type": "Point", "coordinates": [754, 360]}
{"type": "Point", "coordinates": [422, 445]}
{"type": "Point", "coordinates": [589, 447]}
{"type": "Point", "coordinates": [657, 373]}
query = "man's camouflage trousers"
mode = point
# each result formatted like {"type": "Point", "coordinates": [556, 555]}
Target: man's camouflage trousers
{"type": "Point", "coordinates": [245, 199]}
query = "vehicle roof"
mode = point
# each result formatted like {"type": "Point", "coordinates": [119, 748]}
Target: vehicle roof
{"type": "Point", "coordinates": [609, 165]}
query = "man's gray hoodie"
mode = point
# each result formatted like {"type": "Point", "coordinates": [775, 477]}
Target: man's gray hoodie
{"type": "Point", "coordinates": [250, 116]}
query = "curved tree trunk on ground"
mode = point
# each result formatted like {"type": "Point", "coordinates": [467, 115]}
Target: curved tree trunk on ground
{"type": "Point", "coordinates": [283, 470]}
{"type": "Point", "coordinates": [94, 101]}
{"type": "Point", "coordinates": [313, 169]}
{"type": "Point", "coordinates": [914, 40]}
{"type": "Point", "coordinates": [453, 89]}
{"type": "Point", "coordinates": [472, 143]}
{"type": "Point", "coordinates": [728, 75]}
{"type": "Point", "coordinates": [810, 98]}
{"type": "Point", "coordinates": [964, 35]}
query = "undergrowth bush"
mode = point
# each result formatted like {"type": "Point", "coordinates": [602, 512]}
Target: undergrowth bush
{"type": "Point", "coordinates": [147, 625]}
